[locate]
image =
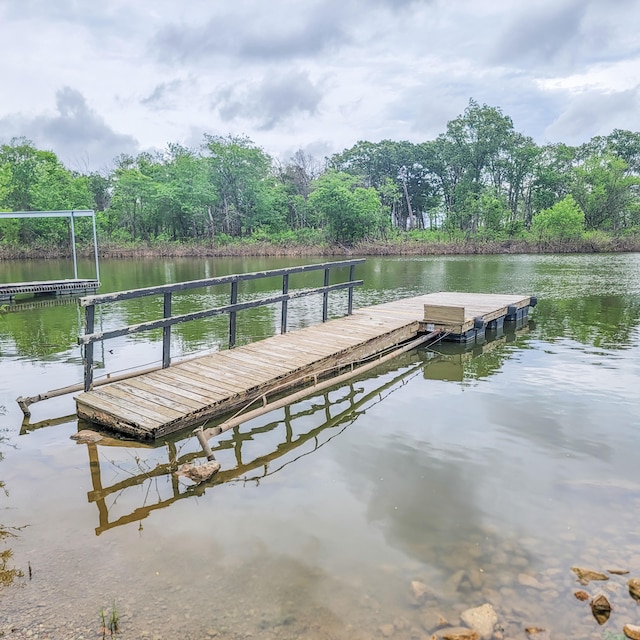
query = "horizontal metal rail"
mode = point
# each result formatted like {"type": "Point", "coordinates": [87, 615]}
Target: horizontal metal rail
{"type": "Point", "coordinates": [165, 323]}
{"type": "Point", "coordinates": [208, 313]}
{"type": "Point", "coordinates": [105, 298]}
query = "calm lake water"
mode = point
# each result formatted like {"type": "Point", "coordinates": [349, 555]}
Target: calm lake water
{"type": "Point", "coordinates": [484, 474]}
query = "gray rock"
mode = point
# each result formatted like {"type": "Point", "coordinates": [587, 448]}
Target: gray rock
{"type": "Point", "coordinates": [199, 473]}
{"type": "Point", "coordinates": [601, 608]}
{"type": "Point", "coordinates": [586, 575]}
{"type": "Point", "coordinates": [85, 436]}
{"type": "Point", "coordinates": [634, 588]}
{"type": "Point", "coordinates": [419, 592]}
{"type": "Point", "coordinates": [432, 620]}
{"type": "Point", "coordinates": [481, 619]}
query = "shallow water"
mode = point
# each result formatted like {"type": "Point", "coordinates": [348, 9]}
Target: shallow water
{"type": "Point", "coordinates": [486, 475]}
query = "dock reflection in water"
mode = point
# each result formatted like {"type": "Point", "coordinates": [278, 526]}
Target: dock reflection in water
{"type": "Point", "coordinates": [151, 470]}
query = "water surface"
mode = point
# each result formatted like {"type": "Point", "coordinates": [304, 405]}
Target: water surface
{"type": "Point", "coordinates": [486, 475]}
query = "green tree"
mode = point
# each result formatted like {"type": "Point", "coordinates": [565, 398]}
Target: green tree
{"type": "Point", "coordinates": [240, 173]}
{"type": "Point", "coordinates": [563, 221]}
{"type": "Point", "coordinates": [35, 180]}
{"type": "Point", "coordinates": [604, 189]}
{"type": "Point", "coordinates": [296, 179]}
{"type": "Point", "coordinates": [133, 193]}
{"type": "Point", "coordinates": [402, 163]}
{"type": "Point", "coordinates": [352, 212]}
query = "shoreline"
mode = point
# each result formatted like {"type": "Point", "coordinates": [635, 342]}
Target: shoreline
{"type": "Point", "coordinates": [602, 244]}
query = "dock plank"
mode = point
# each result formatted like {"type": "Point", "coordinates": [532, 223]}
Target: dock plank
{"type": "Point", "coordinates": [171, 390]}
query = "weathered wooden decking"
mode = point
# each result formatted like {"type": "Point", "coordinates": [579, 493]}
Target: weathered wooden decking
{"type": "Point", "coordinates": [68, 287]}
{"type": "Point", "coordinates": [189, 393]}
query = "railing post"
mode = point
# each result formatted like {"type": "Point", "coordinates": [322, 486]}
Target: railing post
{"type": "Point", "coordinates": [285, 290]}
{"type": "Point", "coordinates": [166, 332]}
{"type": "Point", "coordinates": [232, 314]}
{"type": "Point", "coordinates": [325, 297]}
{"type": "Point", "coordinates": [89, 321]}
{"type": "Point", "coordinates": [352, 272]}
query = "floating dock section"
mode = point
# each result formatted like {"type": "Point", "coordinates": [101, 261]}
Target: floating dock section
{"type": "Point", "coordinates": [190, 393]}
{"type": "Point", "coordinates": [70, 287]}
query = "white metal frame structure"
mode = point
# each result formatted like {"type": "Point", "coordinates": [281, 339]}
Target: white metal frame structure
{"type": "Point", "coordinates": [72, 214]}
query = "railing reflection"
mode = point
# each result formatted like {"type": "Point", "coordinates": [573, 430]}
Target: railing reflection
{"type": "Point", "coordinates": [336, 419]}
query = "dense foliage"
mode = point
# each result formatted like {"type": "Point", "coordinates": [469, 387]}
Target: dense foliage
{"type": "Point", "coordinates": [479, 179]}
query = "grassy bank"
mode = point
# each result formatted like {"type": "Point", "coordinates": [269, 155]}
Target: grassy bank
{"type": "Point", "coordinates": [410, 244]}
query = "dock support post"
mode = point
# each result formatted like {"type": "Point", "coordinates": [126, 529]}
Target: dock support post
{"type": "Point", "coordinates": [89, 319]}
{"type": "Point", "coordinates": [325, 297]}
{"type": "Point", "coordinates": [285, 291]}
{"type": "Point", "coordinates": [232, 314]}
{"type": "Point", "coordinates": [352, 273]}
{"type": "Point", "coordinates": [166, 332]}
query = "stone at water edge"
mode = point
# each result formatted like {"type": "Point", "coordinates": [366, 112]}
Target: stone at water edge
{"type": "Point", "coordinates": [618, 572]}
{"type": "Point", "coordinates": [581, 595]}
{"type": "Point", "coordinates": [601, 608]}
{"type": "Point", "coordinates": [632, 631]}
{"type": "Point", "coordinates": [419, 592]}
{"type": "Point", "coordinates": [200, 472]}
{"type": "Point", "coordinates": [586, 575]}
{"type": "Point", "coordinates": [481, 619]}
{"type": "Point", "coordinates": [432, 620]}
{"type": "Point", "coordinates": [456, 633]}
{"type": "Point", "coordinates": [634, 588]}
{"type": "Point", "coordinates": [85, 436]}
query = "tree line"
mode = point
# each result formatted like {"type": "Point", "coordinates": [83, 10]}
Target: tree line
{"type": "Point", "coordinates": [479, 179]}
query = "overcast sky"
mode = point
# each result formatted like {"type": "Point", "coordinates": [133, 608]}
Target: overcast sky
{"type": "Point", "coordinates": [91, 80]}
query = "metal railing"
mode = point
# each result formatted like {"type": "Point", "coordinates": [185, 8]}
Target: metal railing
{"type": "Point", "coordinates": [90, 336]}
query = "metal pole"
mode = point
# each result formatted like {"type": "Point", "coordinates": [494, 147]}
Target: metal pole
{"type": "Point", "coordinates": [352, 272]}
{"type": "Point", "coordinates": [73, 246]}
{"type": "Point", "coordinates": [285, 290]}
{"type": "Point", "coordinates": [325, 297]}
{"type": "Point", "coordinates": [232, 314]}
{"type": "Point", "coordinates": [89, 317]}
{"type": "Point", "coordinates": [95, 245]}
{"type": "Point", "coordinates": [166, 332]}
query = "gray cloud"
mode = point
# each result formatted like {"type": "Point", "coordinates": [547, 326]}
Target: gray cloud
{"type": "Point", "coordinates": [287, 30]}
{"type": "Point", "coordinates": [98, 17]}
{"type": "Point", "coordinates": [162, 97]}
{"type": "Point", "coordinates": [597, 113]}
{"type": "Point", "coordinates": [80, 136]}
{"type": "Point", "coordinates": [302, 33]}
{"type": "Point", "coordinates": [543, 36]}
{"type": "Point", "coordinates": [563, 35]}
{"type": "Point", "coordinates": [272, 101]}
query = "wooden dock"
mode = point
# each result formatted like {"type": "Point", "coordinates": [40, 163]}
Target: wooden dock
{"type": "Point", "coordinates": [68, 287]}
{"type": "Point", "coordinates": [188, 394]}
